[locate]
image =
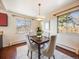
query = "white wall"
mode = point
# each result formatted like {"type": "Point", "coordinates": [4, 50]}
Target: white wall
{"type": "Point", "coordinates": [69, 41]}
{"type": "Point", "coordinates": [9, 31]}
{"type": "Point", "coordinates": [53, 26]}
{"type": "Point", "coordinates": [72, 43]}
{"type": "Point", "coordinates": [1, 5]}
{"type": "Point", "coordinates": [10, 35]}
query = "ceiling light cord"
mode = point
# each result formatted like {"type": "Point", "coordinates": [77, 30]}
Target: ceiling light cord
{"type": "Point", "coordinates": [39, 8]}
{"type": "Point", "coordinates": [39, 18]}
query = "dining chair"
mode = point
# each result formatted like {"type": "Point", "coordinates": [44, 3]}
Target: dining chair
{"type": "Point", "coordinates": [46, 34]}
{"type": "Point", "coordinates": [31, 47]}
{"type": "Point", "coordinates": [49, 51]}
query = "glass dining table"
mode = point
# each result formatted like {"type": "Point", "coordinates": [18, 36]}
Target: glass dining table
{"type": "Point", "coordinates": [39, 41]}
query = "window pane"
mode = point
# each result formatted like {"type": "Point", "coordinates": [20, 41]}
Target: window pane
{"type": "Point", "coordinates": [46, 25]}
{"type": "Point", "coordinates": [22, 25]}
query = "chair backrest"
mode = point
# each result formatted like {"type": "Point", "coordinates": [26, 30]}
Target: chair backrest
{"type": "Point", "coordinates": [28, 40]}
{"type": "Point", "coordinates": [51, 46]}
{"type": "Point", "coordinates": [46, 34]}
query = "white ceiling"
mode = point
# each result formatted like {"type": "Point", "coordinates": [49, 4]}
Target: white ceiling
{"type": "Point", "coordinates": [30, 7]}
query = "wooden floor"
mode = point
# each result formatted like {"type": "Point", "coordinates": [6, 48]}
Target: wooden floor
{"type": "Point", "coordinates": [69, 53]}
{"type": "Point", "coordinates": [10, 52]}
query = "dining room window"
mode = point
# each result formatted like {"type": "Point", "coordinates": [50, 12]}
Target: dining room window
{"type": "Point", "coordinates": [45, 28]}
{"type": "Point", "coordinates": [68, 22]}
{"type": "Point", "coordinates": [23, 25]}
{"type": "Point", "coordinates": [46, 25]}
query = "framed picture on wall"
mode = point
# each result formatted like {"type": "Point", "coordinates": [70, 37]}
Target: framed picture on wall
{"type": "Point", "coordinates": [3, 19]}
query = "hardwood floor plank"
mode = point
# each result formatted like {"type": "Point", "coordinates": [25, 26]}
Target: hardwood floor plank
{"type": "Point", "coordinates": [12, 51]}
{"type": "Point", "coordinates": [67, 52]}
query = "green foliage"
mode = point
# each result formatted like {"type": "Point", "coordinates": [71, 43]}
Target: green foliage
{"type": "Point", "coordinates": [39, 31]}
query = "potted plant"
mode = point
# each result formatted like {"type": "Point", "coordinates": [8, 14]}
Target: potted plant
{"type": "Point", "coordinates": [39, 32]}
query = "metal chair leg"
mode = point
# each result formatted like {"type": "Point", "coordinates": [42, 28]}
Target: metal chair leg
{"type": "Point", "coordinates": [48, 57]}
{"type": "Point", "coordinates": [54, 56]}
{"type": "Point", "coordinates": [31, 54]}
{"type": "Point", "coordinates": [28, 53]}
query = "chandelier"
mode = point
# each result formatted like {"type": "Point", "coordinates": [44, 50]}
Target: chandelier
{"type": "Point", "coordinates": [39, 18]}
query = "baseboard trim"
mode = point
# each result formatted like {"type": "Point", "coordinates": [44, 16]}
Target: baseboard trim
{"type": "Point", "coordinates": [68, 52]}
{"type": "Point", "coordinates": [14, 45]}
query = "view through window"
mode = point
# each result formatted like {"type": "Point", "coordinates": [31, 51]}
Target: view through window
{"type": "Point", "coordinates": [23, 25]}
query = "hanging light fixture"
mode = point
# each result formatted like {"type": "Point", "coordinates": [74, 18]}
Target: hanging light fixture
{"type": "Point", "coordinates": [39, 18]}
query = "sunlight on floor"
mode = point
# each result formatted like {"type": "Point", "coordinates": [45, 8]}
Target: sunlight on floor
{"type": "Point", "coordinates": [22, 54]}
